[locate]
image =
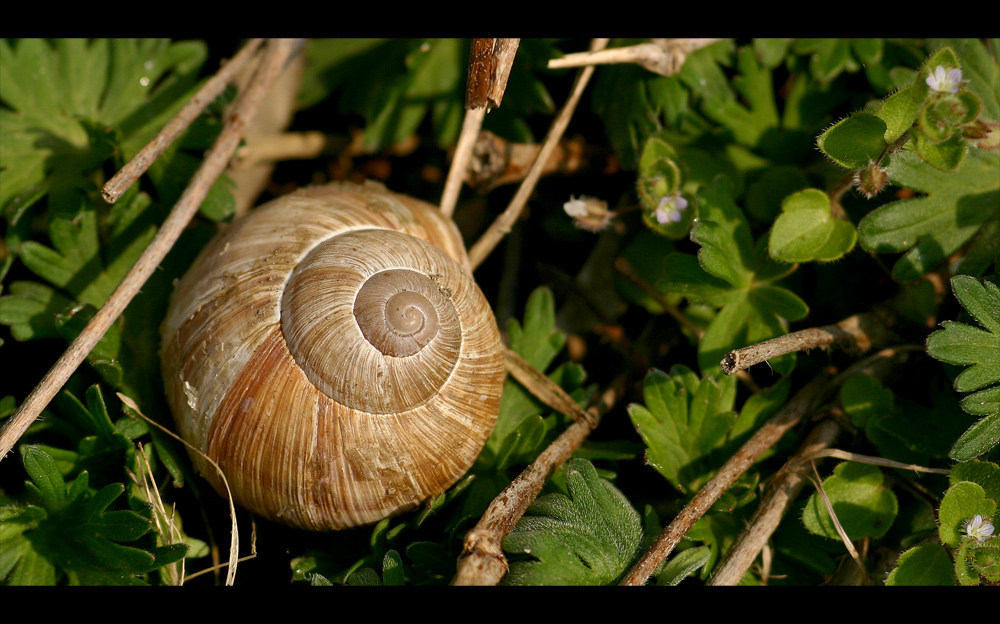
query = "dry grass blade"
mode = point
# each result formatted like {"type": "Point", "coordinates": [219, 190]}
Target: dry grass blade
{"type": "Point", "coordinates": [544, 389]}
{"type": "Point", "coordinates": [165, 527]}
{"type": "Point", "coordinates": [234, 545]}
{"type": "Point", "coordinates": [216, 160]}
{"type": "Point", "coordinates": [836, 523]}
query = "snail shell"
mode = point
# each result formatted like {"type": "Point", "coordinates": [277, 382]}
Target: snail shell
{"type": "Point", "coordinates": [333, 354]}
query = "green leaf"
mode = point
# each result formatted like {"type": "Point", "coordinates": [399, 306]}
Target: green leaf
{"type": "Point", "coordinates": [854, 142]}
{"type": "Point", "coordinates": [961, 503]}
{"type": "Point", "coordinates": [755, 114]}
{"type": "Point", "coordinates": [587, 538]}
{"type": "Point", "coordinates": [927, 564]}
{"type": "Point", "coordinates": [807, 230]}
{"type": "Point", "coordinates": [538, 341]}
{"type": "Point", "coordinates": [899, 112]}
{"type": "Point", "coordinates": [682, 421]}
{"type": "Point", "coordinates": [985, 474]}
{"type": "Point", "coordinates": [735, 274]}
{"type": "Point", "coordinates": [58, 92]}
{"type": "Point", "coordinates": [30, 310]}
{"type": "Point", "coordinates": [683, 565]}
{"type": "Point", "coordinates": [955, 207]}
{"type": "Point", "coordinates": [73, 533]}
{"type": "Point", "coordinates": [979, 348]}
{"type": "Point", "coordinates": [864, 506]}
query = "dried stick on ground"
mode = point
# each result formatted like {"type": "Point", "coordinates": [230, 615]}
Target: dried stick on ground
{"type": "Point", "coordinates": [544, 389]}
{"type": "Point", "coordinates": [781, 493]}
{"type": "Point", "coordinates": [750, 452]}
{"type": "Point", "coordinates": [788, 482]}
{"type": "Point", "coordinates": [128, 174]}
{"type": "Point", "coordinates": [482, 561]}
{"type": "Point", "coordinates": [505, 221]}
{"type": "Point", "coordinates": [660, 56]}
{"type": "Point", "coordinates": [489, 68]}
{"type": "Point", "coordinates": [216, 160]}
{"type": "Point", "coordinates": [856, 334]}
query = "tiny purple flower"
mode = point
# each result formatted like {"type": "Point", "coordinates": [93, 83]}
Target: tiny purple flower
{"type": "Point", "coordinates": [978, 529]}
{"type": "Point", "coordinates": [670, 209]}
{"type": "Point", "coordinates": [945, 81]}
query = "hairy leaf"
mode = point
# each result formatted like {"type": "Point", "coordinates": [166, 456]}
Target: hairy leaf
{"type": "Point", "coordinates": [979, 348]}
{"type": "Point", "coordinates": [682, 420]}
{"type": "Point", "coordinates": [587, 538]}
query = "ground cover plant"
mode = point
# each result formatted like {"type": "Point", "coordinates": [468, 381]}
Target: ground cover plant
{"type": "Point", "coordinates": [763, 271]}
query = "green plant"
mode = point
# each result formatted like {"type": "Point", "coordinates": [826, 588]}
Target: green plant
{"type": "Point", "coordinates": [826, 192]}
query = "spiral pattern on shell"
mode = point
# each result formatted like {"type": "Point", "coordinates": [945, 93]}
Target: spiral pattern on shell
{"type": "Point", "coordinates": [333, 354]}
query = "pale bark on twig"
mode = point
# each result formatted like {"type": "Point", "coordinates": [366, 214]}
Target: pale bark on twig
{"type": "Point", "coordinates": [505, 221]}
{"type": "Point", "coordinates": [482, 561]}
{"type": "Point", "coordinates": [215, 161]}
{"type": "Point", "coordinates": [788, 482]}
{"type": "Point", "coordinates": [765, 438]}
{"type": "Point", "coordinates": [460, 161]}
{"type": "Point", "coordinates": [855, 334]}
{"type": "Point", "coordinates": [544, 389]}
{"type": "Point", "coordinates": [660, 56]}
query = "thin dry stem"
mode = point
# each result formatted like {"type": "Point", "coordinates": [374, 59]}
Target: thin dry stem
{"type": "Point", "coordinates": [234, 543]}
{"type": "Point", "coordinates": [818, 483]}
{"type": "Point", "coordinates": [788, 482]}
{"type": "Point", "coordinates": [856, 334]}
{"type": "Point", "coordinates": [660, 56]}
{"type": "Point", "coordinates": [765, 438]}
{"type": "Point", "coordinates": [544, 389]}
{"type": "Point", "coordinates": [482, 561]}
{"type": "Point", "coordinates": [124, 179]}
{"type": "Point", "coordinates": [216, 160]}
{"type": "Point", "coordinates": [777, 500]}
{"type": "Point", "coordinates": [505, 221]}
{"type": "Point", "coordinates": [460, 161]}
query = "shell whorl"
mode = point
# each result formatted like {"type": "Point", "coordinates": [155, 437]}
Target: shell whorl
{"type": "Point", "coordinates": [333, 354]}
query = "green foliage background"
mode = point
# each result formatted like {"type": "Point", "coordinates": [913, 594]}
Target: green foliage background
{"type": "Point", "coordinates": [823, 178]}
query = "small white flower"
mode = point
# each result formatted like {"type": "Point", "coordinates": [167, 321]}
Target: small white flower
{"type": "Point", "coordinates": [670, 209]}
{"type": "Point", "coordinates": [575, 207]}
{"type": "Point", "coordinates": [589, 213]}
{"type": "Point", "coordinates": [945, 81]}
{"type": "Point", "coordinates": [978, 529]}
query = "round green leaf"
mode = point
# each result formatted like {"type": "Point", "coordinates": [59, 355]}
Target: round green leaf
{"type": "Point", "coordinates": [855, 141]}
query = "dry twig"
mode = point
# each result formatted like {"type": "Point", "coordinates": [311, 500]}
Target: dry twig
{"type": "Point", "coordinates": [856, 334]}
{"type": "Point", "coordinates": [505, 221]}
{"type": "Point", "coordinates": [764, 439]}
{"type": "Point", "coordinates": [482, 561]}
{"type": "Point", "coordinates": [660, 56]}
{"type": "Point", "coordinates": [121, 181]}
{"type": "Point", "coordinates": [788, 482]}
{"type": "Point", "coordinates": [216, 160]}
